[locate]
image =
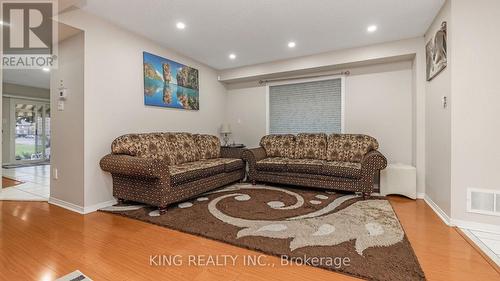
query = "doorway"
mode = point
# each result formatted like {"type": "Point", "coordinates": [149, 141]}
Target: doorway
{"type": "Point", "coordinates": [26, 135]}
{"type": "Point", "coordinates": [30, 131]}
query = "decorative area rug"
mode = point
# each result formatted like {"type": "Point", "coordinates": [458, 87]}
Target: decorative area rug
{"type": "Point", "coordinates": [6, 182]}
{"type": "Point", "coordinates": [297, 224]}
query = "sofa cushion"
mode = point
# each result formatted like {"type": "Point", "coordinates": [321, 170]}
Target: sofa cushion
{"type": "Point", "coordinates": [306, 166]}
{"type": "Point", "coordinates": [311, 146]}
{"type": "Point", "coordinates": [183, 148]}
{"type": "Point", "coordinates": [349, 148]}
{"type": "Point", "coordinates": [175, 148]}
{"type": "Point", "coordinates": [341, 169]}
{"type": "Point", "coordinates": [152, 145]}
{"type": "Point", "coordinates": [272, 164]}
{"type": "Point", "coordinates": [208, 146]}
{"type": "Point", "coordinates": [191, 171]}
{"type": "Point", "coordinates": [230, 164]}
{"type": "Point", "coordinates": [279, 145]}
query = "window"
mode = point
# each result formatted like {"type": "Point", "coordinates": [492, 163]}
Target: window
{"type": "Point", "coordinates": [308, 107]}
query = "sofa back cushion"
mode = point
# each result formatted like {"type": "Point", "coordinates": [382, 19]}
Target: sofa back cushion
{"type": "Point", "coordinates": [208, 146]}
{"type": "Point", "coordinates": [184, 147]}
{"type": "Point", "coordinates": [141, 145]}
{"type": "Point", "coordinates": [349, 148]}
{"type": "Point", "coordinates": [175, 148]}
{"type": "Point", "coordinates": [311, 146]}
{"type": "Point", "coordinates": [279, 145]}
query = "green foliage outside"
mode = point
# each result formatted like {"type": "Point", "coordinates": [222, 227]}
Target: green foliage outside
{"type": "Point", "coordinates": [24, 151]}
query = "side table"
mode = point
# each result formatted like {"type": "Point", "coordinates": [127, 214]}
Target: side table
{"type": "Point", "coordinates": [234, 150]}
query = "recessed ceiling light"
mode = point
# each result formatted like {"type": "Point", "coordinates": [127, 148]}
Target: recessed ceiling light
{"type": "Point", "coordinates": [46, 69]}
{"type": "Point", "coordinates": [371, 28]}
{"type": "Point", "coordinates": [232, 56]}
{"type": "Point", "coordinates": [181, 25]}
{"type": "Point", "coordinates": [291, 44]}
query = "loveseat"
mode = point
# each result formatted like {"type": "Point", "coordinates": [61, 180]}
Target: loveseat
{"type": "Point", "coordinates": [338, 161]}
{"type": "Point", "coordinates": [163, 168]}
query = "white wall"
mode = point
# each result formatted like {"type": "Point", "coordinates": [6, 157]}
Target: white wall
{"type": "Point", "coordinates": [245, 96]}
{"type": "Point", "coordinates": [246, 113]}
{"type": "Point", "coordinates": [25, 91]}
{"type": "Point", "coordinates": [475, 114]}
{"type": "Point", "coordinates": [378, 102]}
{"type": "Point", "coordinates": [114, 102]}
{"type": "Point", "coordinates": [462, 139]}
{"type": "Point", "coordinates": [438, 125]}
{"type": "Point", "coordinates": [382, 52]}
{"type": "Point", "coordinates": [67, 151]}
{"type": "Point", "coordinates": [242, 88]}
{"type": "Point", "coordinates": [113, 98]}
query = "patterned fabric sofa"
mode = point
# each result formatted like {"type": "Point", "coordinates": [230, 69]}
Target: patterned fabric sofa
{"type": "Point", "coordinates": [338, 161]}
{"type": "Point", "coordinates": [163, 168]}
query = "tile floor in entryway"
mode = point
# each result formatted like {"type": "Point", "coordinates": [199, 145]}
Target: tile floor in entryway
{"type": "Point", "coordinates": [488, 242]}
{"type": "Point", "coordinates": [36, 186]}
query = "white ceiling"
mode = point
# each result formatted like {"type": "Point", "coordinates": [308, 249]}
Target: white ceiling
{"type": "Point", "coordinates": [36, 77]}
{"type": "Point", "coordinates": [27, 77]}
{"type": "Point", "coordinates": [259, 30]}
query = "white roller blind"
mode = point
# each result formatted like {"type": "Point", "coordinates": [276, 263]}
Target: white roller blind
{"type": "Point", "coordinates": [309, 107]}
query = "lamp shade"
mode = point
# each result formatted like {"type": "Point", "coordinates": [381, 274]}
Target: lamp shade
{"type": "Point", "coordinates": [225, 129]}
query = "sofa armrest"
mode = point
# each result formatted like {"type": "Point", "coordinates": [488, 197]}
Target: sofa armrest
{"type": "Point", "coordinates": [374, 160]}
{"type": "Point", "coordinates": [251, 156]}
{"type": "Point", "coordinates": [127, 165]}
{"type": "Point", "coordinates": [255, 154]}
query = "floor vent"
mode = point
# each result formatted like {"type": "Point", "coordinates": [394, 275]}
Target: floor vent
{"type": "Point", "coordinates": [483, 201]}
{"type": "Point", "coordinates": [74, 276]}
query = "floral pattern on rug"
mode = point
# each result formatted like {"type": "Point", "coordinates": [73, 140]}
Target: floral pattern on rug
{"type": "Point", "coordinates": [370, 223]}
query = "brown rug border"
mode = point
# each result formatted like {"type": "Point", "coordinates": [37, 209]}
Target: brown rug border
{"type": "Point", "coordinates": [272, 255]}
{"type": "Point", "coordinates": [406, 237]}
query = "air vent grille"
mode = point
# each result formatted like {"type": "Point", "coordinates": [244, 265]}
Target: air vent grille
{"type": "Point", "coordinates": [497, 205]}
{"type": "Point", "coordinates": [483, 201]}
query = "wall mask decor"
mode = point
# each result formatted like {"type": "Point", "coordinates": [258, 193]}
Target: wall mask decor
{"type": "Point", "coordinates": [436, 53]}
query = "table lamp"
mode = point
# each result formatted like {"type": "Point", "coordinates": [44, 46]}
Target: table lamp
{"type": "Point", "coordinates": [225, 131]}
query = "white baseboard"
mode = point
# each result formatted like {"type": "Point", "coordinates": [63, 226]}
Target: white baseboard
{"type": "Point", "coordinates": [66, 205]}
{"type": "Point", "coordinates": [460, 223]}
{"type": "Point", "coordinates": [420, 195]}
{"type": "Point", "coordinates": [95, 207]}
{"type": "Point", "coordinates": [441, 214]}
{"type": "Point", "coordinates": [79, 209]}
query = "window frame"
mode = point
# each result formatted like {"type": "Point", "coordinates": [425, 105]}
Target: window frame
{"type": "Point", "coordinates": [305, 80]}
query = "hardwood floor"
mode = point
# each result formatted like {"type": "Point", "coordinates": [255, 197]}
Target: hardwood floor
{"type": "Point", "coordinates": [39, 241]}
{"type": "Point", "coordinates": [6, 182]}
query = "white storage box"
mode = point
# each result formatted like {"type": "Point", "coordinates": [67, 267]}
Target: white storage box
{"type": "Point", "coordinates": [399, 179]}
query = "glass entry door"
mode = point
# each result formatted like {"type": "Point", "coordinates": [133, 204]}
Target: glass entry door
{"type": "Point", "coordinates": [31, 130]}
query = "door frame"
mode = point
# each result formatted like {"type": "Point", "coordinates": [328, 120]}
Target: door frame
{"type": "Point", "coordinates": [17, 100]}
